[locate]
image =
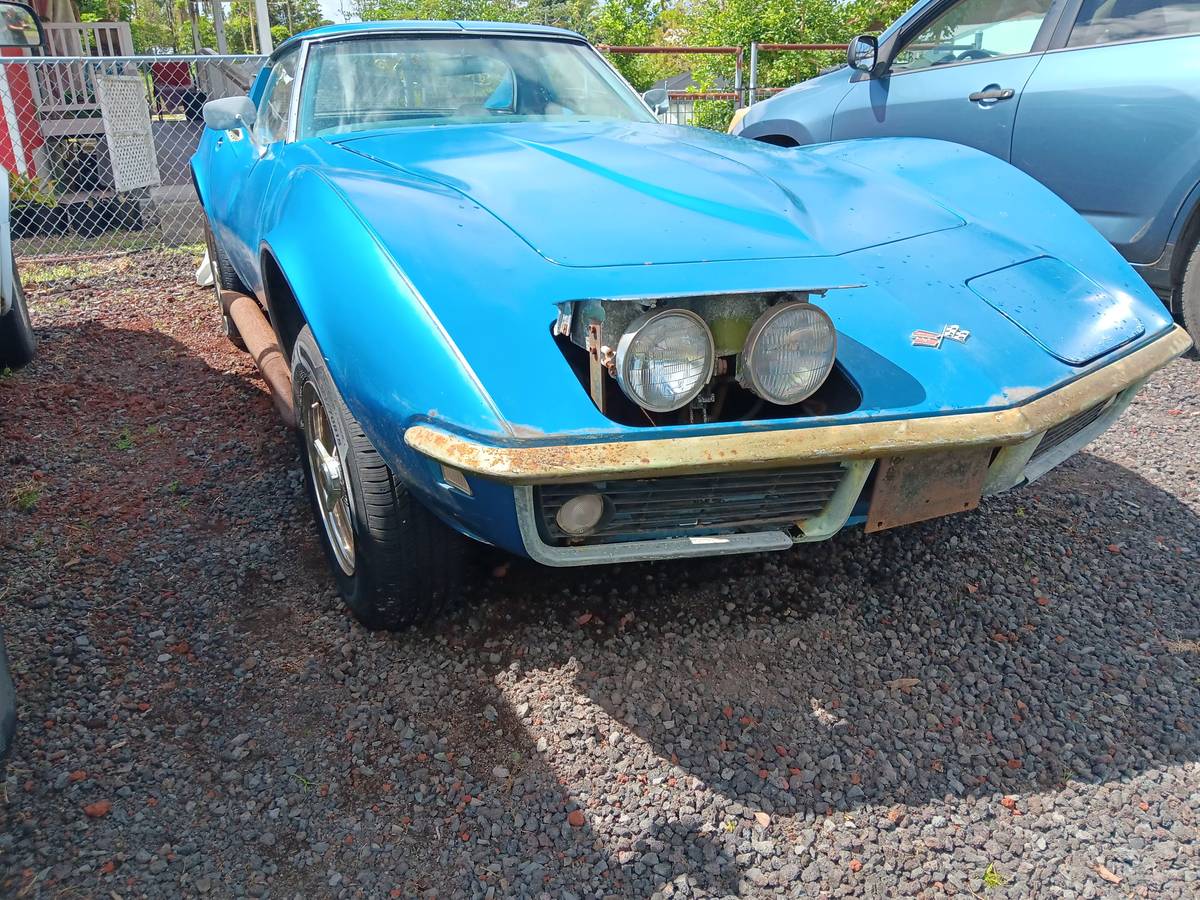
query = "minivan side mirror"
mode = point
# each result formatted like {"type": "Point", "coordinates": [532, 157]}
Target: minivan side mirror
{"type": "Point", "coordinates": [657, 99]}
{"type": "Point", "coordinates": [229, 113]}
{"type": "Point", "coordinates": [20, 27]}
{"type": "Point", "coordinates": [863, 53]}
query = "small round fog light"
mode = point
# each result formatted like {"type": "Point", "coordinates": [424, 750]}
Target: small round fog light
{"type": "Point", "coordinates": [581, 514]}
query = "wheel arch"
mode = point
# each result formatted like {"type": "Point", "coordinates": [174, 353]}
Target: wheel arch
{"type": "Point", "coordinates": [284, 310]}
{"type": "Point", "coordinates": [1185, 236]}
{"type": "Point", "coordinates": [780, 132]}
{"type": "Point", "coordinates": [391, 359]}
{"type": "Point", "coordinates": [779, 140]}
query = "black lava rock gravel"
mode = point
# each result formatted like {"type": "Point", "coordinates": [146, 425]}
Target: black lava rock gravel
{"type": "Point", "coordinates": [1003, 704]}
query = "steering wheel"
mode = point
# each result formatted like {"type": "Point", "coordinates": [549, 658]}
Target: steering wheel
{"type": "Point", "coordinates": [975, 53]}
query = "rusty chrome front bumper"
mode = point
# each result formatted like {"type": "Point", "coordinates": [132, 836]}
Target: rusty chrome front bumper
{"type": "Point", "coordinates": [1018, 425]}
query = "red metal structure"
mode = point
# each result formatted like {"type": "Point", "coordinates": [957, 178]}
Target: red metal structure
{"type": "Point", "coordinates": [756, 48]}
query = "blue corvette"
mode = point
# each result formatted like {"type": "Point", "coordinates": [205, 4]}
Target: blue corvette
{"type": "Point", "coordinates": [497, 295]}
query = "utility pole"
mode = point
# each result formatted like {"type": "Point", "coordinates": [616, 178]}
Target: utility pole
{"type": "Point", "coordinates": [195, 17]}
{"type": "Point", "coordinates": [219, 26]}
{"type": "Point", "coordinates": [265, 43]}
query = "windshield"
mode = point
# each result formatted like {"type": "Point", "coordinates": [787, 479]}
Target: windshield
{"type": "Point", "coordinates": [388, 82]}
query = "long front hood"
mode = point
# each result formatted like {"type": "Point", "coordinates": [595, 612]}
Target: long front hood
{"type": "Point", "coordinates": [620, 193]}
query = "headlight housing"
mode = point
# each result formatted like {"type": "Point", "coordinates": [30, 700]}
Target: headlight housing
{"type": "Point", "coordinates": [664, 359]}
{"type": "Point", "coordinates": [789, 353]}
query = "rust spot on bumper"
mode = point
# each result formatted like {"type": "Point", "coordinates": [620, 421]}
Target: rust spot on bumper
{"type": "Point", "coordinates": [769, 449]}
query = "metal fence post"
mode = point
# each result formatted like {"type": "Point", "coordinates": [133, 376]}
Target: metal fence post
{"type": "Point", "coordinates": [737, 78]}
{"type": "Point", "coordinates": [753, 72]}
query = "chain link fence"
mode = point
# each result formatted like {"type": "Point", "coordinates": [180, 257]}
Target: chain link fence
{"type": "Point", "coordinates": [98, 148]}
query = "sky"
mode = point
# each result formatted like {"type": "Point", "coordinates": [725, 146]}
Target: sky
{"type": "Point", "coordinates": [332, 10]}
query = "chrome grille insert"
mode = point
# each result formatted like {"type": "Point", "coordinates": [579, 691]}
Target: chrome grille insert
{"type": "Point", "coordinates": [679, 506]}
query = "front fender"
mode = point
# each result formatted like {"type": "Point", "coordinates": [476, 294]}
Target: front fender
{"type": "Point", "coordinates": [804, 112]}
{"type": "Point", "coordinates": [385, 348]}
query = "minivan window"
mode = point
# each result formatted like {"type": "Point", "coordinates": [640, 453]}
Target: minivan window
{"type": "Point", "coordinates": [973, 30]}
{"type": "Point", "coordinates": [1109, 21]}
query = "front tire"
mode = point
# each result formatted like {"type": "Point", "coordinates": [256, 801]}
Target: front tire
{"type": "Point", "coordinates": [395, 563]}
{"type": "Point", "coordinates": [225, 278]}
{"type": "Point", "coordinates": [1189, 295]}
{"type": "Point", "coordinates": [17, 341]}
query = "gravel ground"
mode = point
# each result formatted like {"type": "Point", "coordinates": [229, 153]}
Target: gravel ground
{"type": "Point", "coordinates": [1003, 704]}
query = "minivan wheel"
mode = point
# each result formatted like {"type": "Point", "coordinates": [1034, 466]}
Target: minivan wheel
{"type": "Point", "coordinates": [17, 341]}
{"type": "Point", "coordinates": [1189, 295]}
{"type": "Point", "coordinates": [395, 563]}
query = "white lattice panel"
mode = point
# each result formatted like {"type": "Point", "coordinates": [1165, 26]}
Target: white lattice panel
{"type": "Point", "coordinates": [127, 128]}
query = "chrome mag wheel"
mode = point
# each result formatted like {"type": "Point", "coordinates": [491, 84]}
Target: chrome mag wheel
{"type": "Point", "coordinates": [329, 478]}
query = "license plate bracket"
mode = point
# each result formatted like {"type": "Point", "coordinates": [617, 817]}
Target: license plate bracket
{"type": "Point", "coordinates": [928, 485]}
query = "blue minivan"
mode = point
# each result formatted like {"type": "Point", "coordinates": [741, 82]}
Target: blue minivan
{"type": "Point", "coordinates": [1097, 99]}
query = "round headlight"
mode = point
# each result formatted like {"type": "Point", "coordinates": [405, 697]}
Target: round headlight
{"type": "Point", "coordinates": [664, 359]}
{"type": "Point", "coordinates": [789, 353]}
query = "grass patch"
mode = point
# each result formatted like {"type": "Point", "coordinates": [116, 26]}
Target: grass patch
{"type": "Point", "coordinates": [124, 440]}
{"type": "Point", "coordinates": [992, 877]}
{"type": "Point", "coordinates": [25, 496]}
{"type": "Point", "coordinates": [34, 274]}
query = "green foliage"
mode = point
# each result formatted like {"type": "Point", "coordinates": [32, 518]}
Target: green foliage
{"type": "Point", "coordinates": [573, 14]}
{"type": "Point", "coordinates": [165, 26]}
{"type": "Point", "coordinates": [637, 23]}
{"type": "Point", "coordinates": [740, 22]}
{"type": "Point", "coordinates": [992, 877]}
{"type": "Point", "coordinates": [697, 22]}
{"type": "Point", "coordinates": [25, 189]}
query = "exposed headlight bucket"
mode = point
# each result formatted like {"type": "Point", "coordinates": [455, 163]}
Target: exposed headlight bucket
{"type": "Point", "coordinates": [580, 514]}
{"type": "Point", "coordinates": [664, 359]}
{"type": "Point", "coordinates": [789, 353]}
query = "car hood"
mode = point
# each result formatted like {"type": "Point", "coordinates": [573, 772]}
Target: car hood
{"type": "Point", "coordinates": [610, 193]}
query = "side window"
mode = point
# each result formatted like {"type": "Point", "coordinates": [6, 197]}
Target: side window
{"type": "Point", "coordinates": [275, 105]}
{"type": "Point", "coordinates": [973, 30]}
{"type": "Point", "coordinates": [1108, 21]}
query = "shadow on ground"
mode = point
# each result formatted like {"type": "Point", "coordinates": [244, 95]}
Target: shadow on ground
{"type": "Point", "coordinates": [1029, 645]}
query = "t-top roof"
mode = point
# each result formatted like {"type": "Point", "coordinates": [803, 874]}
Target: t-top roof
{"type": "Point", "coordinates": [448, 26]}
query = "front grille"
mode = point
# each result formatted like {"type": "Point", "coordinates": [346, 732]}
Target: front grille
{"type": "Point", "coordinates": [646, 508]}
{"type": "Point", "coordinates": [1064, 431]}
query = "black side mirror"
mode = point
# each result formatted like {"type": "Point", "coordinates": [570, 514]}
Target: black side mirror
{"type": "Point", "coordinates": [863, 53]}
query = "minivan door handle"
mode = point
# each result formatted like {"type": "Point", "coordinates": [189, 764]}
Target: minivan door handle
{"type": "Point", "coordinates": [992, 95]}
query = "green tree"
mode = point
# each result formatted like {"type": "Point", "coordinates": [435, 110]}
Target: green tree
{"type": "Point", "coordinates": [740, 22]}
{"type": "Point", "coordinates": [637, 23]}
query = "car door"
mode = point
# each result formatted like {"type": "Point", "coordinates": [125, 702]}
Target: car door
{"type": "Point", "coordinates": [1110, 121]}
{"type": "Point", "coordinates": [956, 73]}
{"type": "Point", "coordinates": [256, 157]}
